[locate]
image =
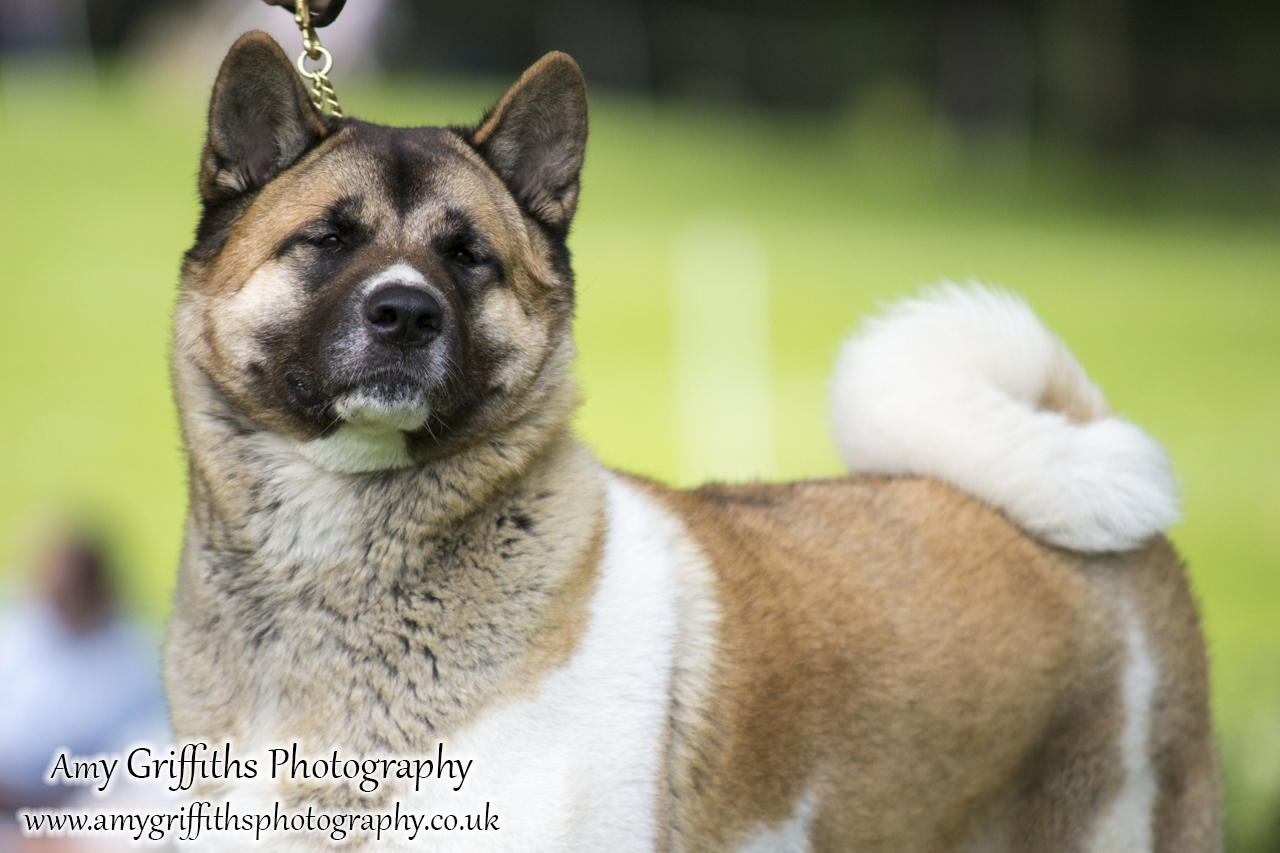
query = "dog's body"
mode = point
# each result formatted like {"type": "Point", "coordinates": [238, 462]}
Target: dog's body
{"type": "Point", "coordinates": [395, 542]}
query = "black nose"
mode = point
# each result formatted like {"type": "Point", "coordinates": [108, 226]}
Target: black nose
{"type": "Point", "coordinates": [403, 315]}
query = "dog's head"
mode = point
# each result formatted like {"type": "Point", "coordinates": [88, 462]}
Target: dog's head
{"type": "Point", "coordinates": [399, 291]}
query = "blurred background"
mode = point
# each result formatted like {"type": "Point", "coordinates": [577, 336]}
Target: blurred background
{"type": "Point", "coordinates": [759, 175]}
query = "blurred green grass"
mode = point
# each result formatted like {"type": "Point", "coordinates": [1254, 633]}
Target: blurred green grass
{"type": "Point", "coordinates": [1165, 284]}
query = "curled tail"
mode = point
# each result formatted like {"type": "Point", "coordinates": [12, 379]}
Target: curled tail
{"type": "Point", "coordinates": [967, 385]}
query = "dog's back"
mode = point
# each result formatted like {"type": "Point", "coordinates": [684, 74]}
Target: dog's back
{"type": "Point", "coordinates": [902, 668]}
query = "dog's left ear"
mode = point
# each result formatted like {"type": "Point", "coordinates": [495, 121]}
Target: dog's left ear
{"type": "Point", "coordinates": [535, 137]}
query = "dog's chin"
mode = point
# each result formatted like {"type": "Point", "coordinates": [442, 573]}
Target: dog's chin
{"type": "Point", "coordinates": [371, 437]}
{"type": "Point", "coordinates": [376, 410]}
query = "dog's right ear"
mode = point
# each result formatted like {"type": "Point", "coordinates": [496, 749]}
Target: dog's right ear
{"type": "Point", "coordinates": [260, 120]}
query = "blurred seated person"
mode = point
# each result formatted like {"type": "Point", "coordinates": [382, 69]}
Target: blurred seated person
{"type": "Point", "coordinates": [73, 675]}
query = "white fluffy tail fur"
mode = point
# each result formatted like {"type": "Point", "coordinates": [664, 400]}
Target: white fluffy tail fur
{"type": "Point", "coordinates": [967, 385]}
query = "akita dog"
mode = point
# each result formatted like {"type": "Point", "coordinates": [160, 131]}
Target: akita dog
{"type": "Point", "coordinates": [395, 546]}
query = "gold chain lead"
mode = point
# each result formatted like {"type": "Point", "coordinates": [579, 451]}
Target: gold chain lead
{"type": "Point", "coordinates": [321, 90]}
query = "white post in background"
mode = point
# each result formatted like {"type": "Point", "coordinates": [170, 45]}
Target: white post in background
{"type": "Point", "coordinates": [720, 353]}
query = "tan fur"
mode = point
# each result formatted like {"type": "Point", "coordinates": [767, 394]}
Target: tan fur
{"type": "Point", "coordinates": [924, 668]}
{"type": "Point", "coordinates": [892, 652]}
{"type": "Point", "coordinates": [566, 617]}
{"type": "Point", "coordinates": [1186, 816]}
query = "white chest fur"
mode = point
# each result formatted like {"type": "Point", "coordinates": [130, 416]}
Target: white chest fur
{"type": "Point", "coordinates": [574, 768]}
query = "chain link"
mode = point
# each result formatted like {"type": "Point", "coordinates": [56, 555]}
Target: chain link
{"type": "Point", "coordinates": [321, 90]}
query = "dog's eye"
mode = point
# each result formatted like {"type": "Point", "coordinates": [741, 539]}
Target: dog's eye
{"type": "Point", "coordinates": [328, 241]}
{"type": "Point", "coordinates": [461, 255]}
